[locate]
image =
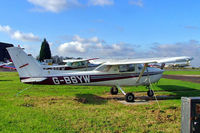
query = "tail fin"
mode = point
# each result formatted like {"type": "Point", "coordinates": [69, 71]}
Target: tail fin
{"type": "Point", "coordinates": [26, 65]}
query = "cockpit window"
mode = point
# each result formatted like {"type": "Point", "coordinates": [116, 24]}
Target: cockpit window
{"type": "Point", "coordinates": [127, 68]}
{"type": "Point", "coordinates": [76, 64]}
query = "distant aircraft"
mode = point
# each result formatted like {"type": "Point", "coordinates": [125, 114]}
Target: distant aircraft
{"type": "Point", "coordinates": [114, 73]}
{"type": "Point", "coordinates": [178, 65]}
{"type": "Point", "coordinates": [7, 65]}
{"type": "Point", "coordinates": [73, 64]}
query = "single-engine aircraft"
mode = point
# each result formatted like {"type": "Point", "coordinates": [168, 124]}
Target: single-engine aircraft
{"type": "Point", "coordinates": [73, 64]}
{"type": "Point", "coordinates": [114, 73]}
{"type": "Point", "coordinates": [8, 65]}
{"type": "Point", "coordinates": [178, 65]}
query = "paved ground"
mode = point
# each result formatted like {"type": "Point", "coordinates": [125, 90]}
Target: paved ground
{"type": "Point", "coordinates": [190, 78]}
{"type": "Point", "coordinates": [138, 98]}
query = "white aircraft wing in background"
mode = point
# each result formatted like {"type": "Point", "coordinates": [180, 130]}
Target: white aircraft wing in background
{"type": "Point", "coordinates": [144, 61]}
{"type": "Point", "coordinates": [78, 60]}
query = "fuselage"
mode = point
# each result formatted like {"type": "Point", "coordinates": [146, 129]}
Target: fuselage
{"type": "Point", "coordinates": [98, 78]}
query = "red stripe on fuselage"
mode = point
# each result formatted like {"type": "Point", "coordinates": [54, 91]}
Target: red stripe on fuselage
{"type": "Point", "coordinates": [24, 65]}
{"type": "Point", "coordinates": [80, 79]}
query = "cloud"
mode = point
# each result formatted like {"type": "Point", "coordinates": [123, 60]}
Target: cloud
{"type": "Point", "coordinates": [136, 3]}
{"type": "Point", "coordinates": [53, 5]}
{"type": "Point", "coordinates": [190, 48]}
{"type": "Point", "coordinates": [191, 27]}
{"type": "Point", "coordinates": [101, 2]}
{"type": "Point", "coordinates": [94, 47]}
{"type": "Point", "coordinates": [17, 35]}
{"type": "Point", "coordinates": [6, 29]}
{"type": "Point", "coordinates": [72, 47]}
{"type": "Point", "coordinates": [120, 28]}
{"type": "Point", "coordinates": [60, 5]}
{"type": "Point", "coordinates": [99, 21]}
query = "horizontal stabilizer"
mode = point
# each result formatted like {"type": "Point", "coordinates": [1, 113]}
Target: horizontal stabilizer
{"type": "Point", "coordinates": [28, 80]}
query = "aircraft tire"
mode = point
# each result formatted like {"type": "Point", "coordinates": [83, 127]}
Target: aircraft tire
{"type": "Point", "coordinates": [114, 90]}
{"type": "Point", "coordinates": [130, 97]}
{"type": "Point", "coordinates": [150, 93]}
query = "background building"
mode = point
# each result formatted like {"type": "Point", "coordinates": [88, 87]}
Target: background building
{"type": "Point", "coordinates": [3, 52]}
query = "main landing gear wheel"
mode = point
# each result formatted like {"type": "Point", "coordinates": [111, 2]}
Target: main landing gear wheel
{"type": "Point", "coordinates": [150, 93]}
{"type": "Point", "coordinates": [114, 90]}
{"type": "Point", "coordinates": [130, 97]}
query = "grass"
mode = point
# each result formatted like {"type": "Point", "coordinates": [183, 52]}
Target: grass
{"type": "Point", "coordinates": [82, 108]}
{"type": "Point", "coordinates": [197, 72]}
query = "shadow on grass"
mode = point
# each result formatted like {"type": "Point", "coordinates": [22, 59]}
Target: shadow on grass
{"type": "Point", "coordinates": [90, 99]}
{"type": "Point", "coordinates": [180, 91]}
{"type": "Point", "coordinates": [6, 80]}
{"type": "Point", "coordinates": [177, 93]}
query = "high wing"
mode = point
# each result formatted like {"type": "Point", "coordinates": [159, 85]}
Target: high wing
{"type": "Point", "coordinates": [145, 61]}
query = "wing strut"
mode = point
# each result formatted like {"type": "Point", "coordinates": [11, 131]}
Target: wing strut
{"type": "Point", "coordinates": [142, 72]}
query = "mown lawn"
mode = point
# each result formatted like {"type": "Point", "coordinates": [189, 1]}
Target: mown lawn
{"type": "Point", "coordinates": [82, 108]}
{"type": "Point", "coordinates": [188, 72]}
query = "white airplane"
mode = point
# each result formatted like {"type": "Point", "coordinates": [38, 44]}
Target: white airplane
{"type": "Point", "coordinates": [5, 65]}
{"type": "Point", "coordinates": [73, 64]}
{"type": "Point", "coordinates": [114, 73]}
{"type": "Point", "coordinates": [178, 65]}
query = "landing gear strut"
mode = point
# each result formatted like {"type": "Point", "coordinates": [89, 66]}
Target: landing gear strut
{"type": "Point", "coordinates": [129, 97]}
{"type": "Point", "coordinates": [150, 92]}
{"type": "Point", "coordinates": [114, 90]}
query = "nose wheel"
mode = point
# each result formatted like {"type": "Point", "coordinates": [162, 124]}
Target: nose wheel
{"type": "Point", "coordinates": [150, 92]}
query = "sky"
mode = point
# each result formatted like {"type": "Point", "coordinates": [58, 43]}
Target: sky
{"type": "Point", "coordinates": [104, 28]}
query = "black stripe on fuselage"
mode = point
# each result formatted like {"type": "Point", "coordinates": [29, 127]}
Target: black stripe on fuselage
{"type": "Point", "coordinates": [78, 79]}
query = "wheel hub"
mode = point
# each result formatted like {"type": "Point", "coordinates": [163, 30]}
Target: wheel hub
{"type": "Point", "coordinates": [130, 98]}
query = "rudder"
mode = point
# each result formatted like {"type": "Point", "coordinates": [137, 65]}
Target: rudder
{"type": "Point", "coordinates": [26, 65]}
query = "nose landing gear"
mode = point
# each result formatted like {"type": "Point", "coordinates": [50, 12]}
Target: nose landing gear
{"type": "Point", "coordinates": [150, 92]}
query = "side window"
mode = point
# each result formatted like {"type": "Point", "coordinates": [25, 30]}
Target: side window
{"type": "Point", "coordinates": [140, 66]}
{"type": "Point", "coordinates": [131, 67]}
{"type": "Point", "coordinates": [83, 63]}
{"type": "Point", "coordinates": [123, 68]}
{"type": "Point", "coordinates": [69, 64]}
{"type": "Point", "coordinates": [127, 68]}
